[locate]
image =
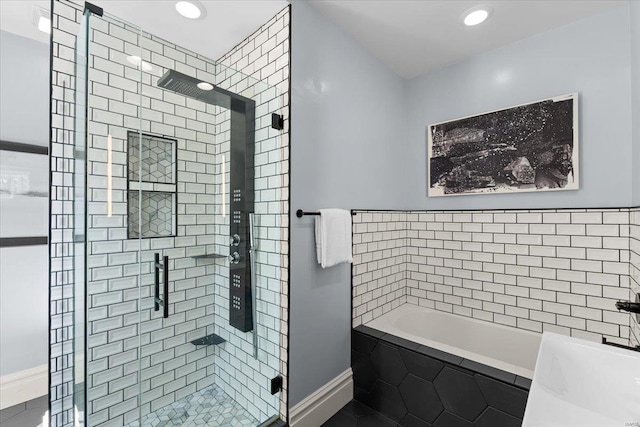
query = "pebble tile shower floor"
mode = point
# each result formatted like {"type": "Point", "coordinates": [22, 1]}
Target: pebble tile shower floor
{"type": "Point", "coordinates": [210, 407]}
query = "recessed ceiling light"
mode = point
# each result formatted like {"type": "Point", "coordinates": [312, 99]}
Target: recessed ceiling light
{"type": "Point", "coordinates": [191, 9]}
{"type": "Point", "coordinates": [205, 86]}
{"type": "Point", "coordinates": [42, 20]}
{"type": "Point", "coordinates": [139, 63]}
{"type": "Point", "coordinates": [476, 15]}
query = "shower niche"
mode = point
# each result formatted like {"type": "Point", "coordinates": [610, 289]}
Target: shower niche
{"type": "Point", "coordinates": [151, 186]}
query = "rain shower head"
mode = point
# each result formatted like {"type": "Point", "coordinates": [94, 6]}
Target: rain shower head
{"type": "Point", "coordinates": [181, 83]}
{"type": "Point", "coordinates": [186, 85]}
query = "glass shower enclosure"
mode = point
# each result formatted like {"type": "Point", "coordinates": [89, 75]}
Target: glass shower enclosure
{"type": "Point", "coordinates": [176, 306]}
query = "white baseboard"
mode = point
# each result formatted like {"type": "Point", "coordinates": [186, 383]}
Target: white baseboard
{"type": "Point", "coordinates": [23, 386]}
{"type": "Point", "coordinates": [322, 404]}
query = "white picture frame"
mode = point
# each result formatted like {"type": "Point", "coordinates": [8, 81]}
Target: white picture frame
{"type": "Point", "coordinates": [524, 148]}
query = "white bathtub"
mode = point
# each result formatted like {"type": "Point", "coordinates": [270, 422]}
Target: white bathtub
{"type": "Point", "coordinates": [502, 347]}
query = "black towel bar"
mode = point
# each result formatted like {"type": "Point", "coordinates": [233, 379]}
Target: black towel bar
{"type": "Point", "coordinates": [636, 348]}
{"type": "Point", "coordinates": [300, 213]}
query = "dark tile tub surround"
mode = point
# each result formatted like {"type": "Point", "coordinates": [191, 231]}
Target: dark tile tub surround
{"type": "Point", "coordinates": [414, 385]}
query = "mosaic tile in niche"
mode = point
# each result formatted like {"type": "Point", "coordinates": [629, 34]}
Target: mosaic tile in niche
{"type": "Point", "coordinates": [153, 160]}
{"type": "Point", "coordinates": [157, 214]}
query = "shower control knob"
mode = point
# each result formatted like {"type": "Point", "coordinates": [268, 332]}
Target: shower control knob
{"type": "Point", "coordinates": [234, 258]}
{"type": "Point", "coordinates": [234, 240]}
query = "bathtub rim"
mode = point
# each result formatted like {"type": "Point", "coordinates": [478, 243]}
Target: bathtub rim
{"type": "Point", "coordinates": [464, 359]}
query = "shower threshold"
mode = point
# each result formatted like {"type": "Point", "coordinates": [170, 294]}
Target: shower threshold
{"type": "Point", "coordinates": [210, 407]}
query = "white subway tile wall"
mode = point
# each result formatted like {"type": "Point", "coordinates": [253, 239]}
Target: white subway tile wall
{"type": "Point", "coordinates": [540, 270]}
{"type": "Point", "coordinates": [172, 367]}
{"type": "Point", "coordinates": [379, 264]}
{"type": "Point", "coordinates": [634, 248]}
{"type": "Point", "coordinates": [264, 56]}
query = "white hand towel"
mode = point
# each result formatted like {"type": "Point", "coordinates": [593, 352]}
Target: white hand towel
{"type": "Point", "coordinates": [333, 237]}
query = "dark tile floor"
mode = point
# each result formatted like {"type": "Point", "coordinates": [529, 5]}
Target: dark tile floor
{"type": "Point", "coordinates": [355, 414]}
{"type": "Point", "coordinates": [27, 414]}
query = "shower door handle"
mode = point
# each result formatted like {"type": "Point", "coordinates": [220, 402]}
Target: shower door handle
{"type": "Point", "coordinates": [156, 282]}
{"type": "Point", "coordinates": [254, 285]}
{"type": "Point", "coordinates": [165, 273]}
{"type": "Point", "coordinates": [165, 296]}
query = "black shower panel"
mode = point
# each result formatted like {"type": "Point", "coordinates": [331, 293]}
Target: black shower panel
{"type": "Point", "coordinates": [241, 184]}
{"type": "Point", "coordinates": [241, 203]}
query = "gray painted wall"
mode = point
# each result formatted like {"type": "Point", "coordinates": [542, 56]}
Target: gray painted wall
{"type": "Point", "coordinates": [24, 79]}
{"type": "Point", "coordinates": [349, 148]}
{"type": "Point", "coordinates": [635, 82]}
{"type": "Point", "coordinates": [347, 121]}
{"type": "Point", "coordinates": [24, 117]}
{"type": "Point", "coordinates": [23, 308]}
{"type": "Point", "coordinates": [590, 57]}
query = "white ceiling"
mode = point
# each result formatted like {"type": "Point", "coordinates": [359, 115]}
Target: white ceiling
{"type": "Point", "coordinates": [227, 22]}
{"type": "Point", "coordinates": [414, 37]}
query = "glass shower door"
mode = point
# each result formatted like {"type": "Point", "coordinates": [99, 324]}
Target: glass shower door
{"type": "Point", "coordinates": [80, 222]}
{"type": "Point", "coordinates": [113, 242]}
{"type": "Point", "coordinates": [182, 279]}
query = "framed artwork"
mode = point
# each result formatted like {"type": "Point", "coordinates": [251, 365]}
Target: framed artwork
{"type": "Point", "coordinates": [529, 147]}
